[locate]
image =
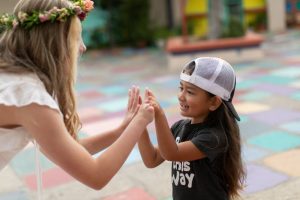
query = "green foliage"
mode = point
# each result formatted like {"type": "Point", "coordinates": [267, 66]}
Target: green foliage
{"type": "Point", "coordinates": [129, 22]}
{"type": "Point", "coordinates": [259, 22]}
{"type": "Point", "coordinates": [235, 28]}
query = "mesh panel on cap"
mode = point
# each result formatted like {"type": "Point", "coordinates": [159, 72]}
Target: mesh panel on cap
{"type": "Point", "coordinates": [224, 79]}
{"type": "Point", "coordinates": [207, 67]}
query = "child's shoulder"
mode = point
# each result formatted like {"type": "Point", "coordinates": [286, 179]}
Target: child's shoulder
{"type": "Point", "coordinates": [180, 123]}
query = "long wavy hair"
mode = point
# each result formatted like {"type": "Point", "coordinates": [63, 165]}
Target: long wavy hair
{"type": "Point", "coordinates": [232, 168]}
{"type": "Point", "coordinates": [48, 50]}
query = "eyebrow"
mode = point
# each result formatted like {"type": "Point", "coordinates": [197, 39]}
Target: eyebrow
{"type": "Point", "coordinates": [191, 87]}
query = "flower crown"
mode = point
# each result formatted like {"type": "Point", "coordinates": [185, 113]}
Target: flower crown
{"type": "Point", "coordinates": [29, 20]}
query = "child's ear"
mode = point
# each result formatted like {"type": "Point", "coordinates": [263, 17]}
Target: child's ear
{"type": "Point", "coordinates": [215, 103]}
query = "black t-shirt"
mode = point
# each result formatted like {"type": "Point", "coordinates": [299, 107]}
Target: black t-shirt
{"type": "Point", "coordinates": [200, 179]}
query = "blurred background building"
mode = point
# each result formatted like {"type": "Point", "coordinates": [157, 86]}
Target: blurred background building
{"type": "Point", "coordinates": [146, 23]}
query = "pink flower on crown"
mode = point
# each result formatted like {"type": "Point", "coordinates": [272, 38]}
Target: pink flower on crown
{"type": "Point", "coordinates": [88, 5]}
{"type": "Point", "coordinates": [44, 17]}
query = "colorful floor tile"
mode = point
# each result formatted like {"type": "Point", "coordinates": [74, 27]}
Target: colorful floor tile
{"type": "Point", "coordinates": [251, 153]}
{"type": "Point", "coordinates": [276, 116]}
{"type": "Point", "coordinates": [251, 107]}
{"type": "Point", "coordinates": [293, 127]}
{"type": "Point", "coordinates": [276, 141]}
{"type": "Point", "coordinates": [260, 178]}
{"type": "Point", "coordinates": [287, 162]}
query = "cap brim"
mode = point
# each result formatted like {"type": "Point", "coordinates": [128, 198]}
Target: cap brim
{"type": "Point", "coordinates": [232, 110]}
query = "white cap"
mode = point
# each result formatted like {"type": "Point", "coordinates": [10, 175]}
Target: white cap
{"type": "Point", "coordinates": [213, 75]}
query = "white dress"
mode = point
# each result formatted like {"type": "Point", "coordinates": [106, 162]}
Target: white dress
{"type": "Point", "coordinates": [20, 90]}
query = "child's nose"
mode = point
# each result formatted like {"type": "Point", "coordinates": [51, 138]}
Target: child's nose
{"type": "Point", "coordinates": [181, 95]}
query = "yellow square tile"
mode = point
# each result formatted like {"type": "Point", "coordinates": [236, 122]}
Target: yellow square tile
{"type": "Point", "coordinates": [287, 162]}
{"type": "Point", "coordinates": [250, 107]}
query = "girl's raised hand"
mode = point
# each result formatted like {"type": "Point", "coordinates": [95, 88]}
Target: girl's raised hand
{"type": "Point", "coordinates": [134, 102]}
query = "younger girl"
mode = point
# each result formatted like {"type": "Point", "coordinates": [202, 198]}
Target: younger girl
{"type": "Point", "coordinates": [205, 148]}
{"type": "Point", "coordinates": [38, 55]}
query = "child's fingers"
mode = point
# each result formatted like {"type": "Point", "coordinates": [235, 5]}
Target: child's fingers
{"type": "Point", "coordinates": [136, 97]}
{"type": "Point", "coordinates": [129, 103]}
{"type": "Point", "coordinates": [146, 95]}
{"type": "Point", "coordinates": [150, 93]}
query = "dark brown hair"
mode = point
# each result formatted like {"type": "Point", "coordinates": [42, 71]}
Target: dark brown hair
{"type": "Point", "coordinates": [232, 168]}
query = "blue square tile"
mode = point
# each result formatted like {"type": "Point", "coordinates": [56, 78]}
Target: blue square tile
{"type": "Point", "coordinates": [276, 141]}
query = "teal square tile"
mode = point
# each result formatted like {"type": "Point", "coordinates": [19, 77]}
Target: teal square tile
{"type": "Point", "coordinates": [24, 162]}
{"type": "Point", "coordinates": [83, 87]}
{"type": "Point", "coordinates": [255, 96]}
{"type": "Point", "coordinates": [291, 126]}
{"type": "Point", "coordinates": [276, 141]}
{"type": "Point", "coordinates": [296, 96]}
{"type": "Point", "coordinates": [243, 119]}
{"type": "Point", "coordinates": [115, 105]}
{"type": "Point", "coordinates": [246, 84]}
{"type": "Point", "coordinates": [114, 90]}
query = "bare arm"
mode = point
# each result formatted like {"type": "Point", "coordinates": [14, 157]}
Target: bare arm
{"type": "Point", "coordinates": [169, 149]}
{"type": "Point", "coordinates": [48, 129]}
{"type": "Point", "coordinates": [100, 141]}
{"type": "Point", "coordinates": [150, 154]}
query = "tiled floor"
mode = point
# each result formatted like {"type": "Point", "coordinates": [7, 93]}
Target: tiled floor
{"type": "Point", "coordinates": [267, 99]}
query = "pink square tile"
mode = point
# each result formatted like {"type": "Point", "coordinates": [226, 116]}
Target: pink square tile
{"type": "Point", "coordinates": [90, 94]}
{"type": "Point", "coordinates": [51, 178]}
{"type": "Point", "coordinates": [101, 125]}
{"type": "Point", "coordinates": [132, 194]}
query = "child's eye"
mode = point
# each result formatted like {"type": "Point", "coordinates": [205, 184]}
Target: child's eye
{"type": "Point", "coordinates": [190, 92]}
{"type": "Point", "coordinates": [180, 88]}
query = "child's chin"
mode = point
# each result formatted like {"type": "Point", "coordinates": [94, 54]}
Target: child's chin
{"type": "Point", "coordinates": [184, 114]}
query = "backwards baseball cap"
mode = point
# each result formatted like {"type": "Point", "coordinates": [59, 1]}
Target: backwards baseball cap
{"type": "Point", "coordinates": [213, 75]}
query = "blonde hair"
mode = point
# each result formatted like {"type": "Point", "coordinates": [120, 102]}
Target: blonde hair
{"type": "Point", "coordinates": [49, 51]}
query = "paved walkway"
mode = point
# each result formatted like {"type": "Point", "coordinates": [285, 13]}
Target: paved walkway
{"type": "Point", "coordinates": [267, 99]}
